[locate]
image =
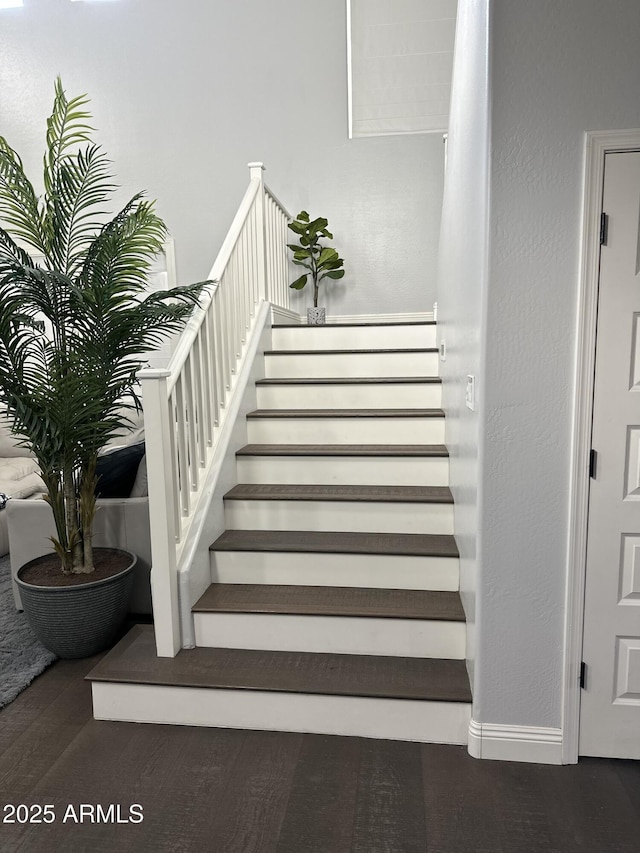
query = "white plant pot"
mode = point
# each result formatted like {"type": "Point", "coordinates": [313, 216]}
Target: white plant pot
{"type": "Point", "coordinates": [316, 316]}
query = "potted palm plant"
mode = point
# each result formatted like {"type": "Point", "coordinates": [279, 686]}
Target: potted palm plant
{"type": "Point", "coordinates": [321, 261]}
{"type": "Point", "coordinates": [75, 317]}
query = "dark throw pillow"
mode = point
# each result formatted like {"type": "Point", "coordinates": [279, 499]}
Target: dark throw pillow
{"type": "Point", "coordinates": [116, 471]}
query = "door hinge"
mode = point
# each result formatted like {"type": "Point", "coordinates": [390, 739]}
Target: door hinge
{"type": "Point", "coordinates": [583, 675]}
{"type": "Point", "coordinates": [604, 228]}
{"type": "Point", "coordinates": [593, 463]}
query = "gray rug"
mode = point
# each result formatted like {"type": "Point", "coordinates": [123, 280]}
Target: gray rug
{"type": "Point", "coordinates": [22, 656]}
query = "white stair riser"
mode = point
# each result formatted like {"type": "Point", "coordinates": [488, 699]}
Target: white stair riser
{"type": "Point", "coordinates": [329, 430]}
{"type": "Point", "coordinates": [344, 516]}
{"type": "Point", "coordinates": [338, 634]}
{"type": "Point", "coordinates": [357, 337]}
{"type": "Point", "coordinates": [345, 470]}
{"type": "Point", "coordinates": [378, 571]}
{"type": "Point", "coordinates": [382, 396]}
{"type": "Point", "coordinates": [351, 365]}
{"type": "Point", "coordinates": [357, 716]}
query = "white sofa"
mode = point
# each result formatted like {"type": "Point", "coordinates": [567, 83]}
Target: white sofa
{"type": "Point", "coordinates": [119, 523]}
{"type": "Point", "coordinates": [26, 523]}
{"type": "Point", "coordinates": [19, 477]}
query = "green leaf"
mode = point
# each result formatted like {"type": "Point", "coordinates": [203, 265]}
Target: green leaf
{"type": "Point", "coordinates": [333, 265]}
{"type": "Point", "coordinates": [297, 227]}
{"type": "Point", "coordinates": [335, 274]}
{"type": "Point", "coordinates": [318, 225]}
{"type": "Point", "coordinates": [303, 216]}
{"type": "Point", "coordinates": [327, 254]}
{"type": "Point", "coordinates": [19, 207]}
{"type": "Point", "coordinates": [299, 283]}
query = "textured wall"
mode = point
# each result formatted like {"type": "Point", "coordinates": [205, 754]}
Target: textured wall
{"type": "Point", "coordinates": [185, 94]}
{"type": "Point", "coordinates": [558, 70]}
{"type": "Point", "coordinates": [462, 282]}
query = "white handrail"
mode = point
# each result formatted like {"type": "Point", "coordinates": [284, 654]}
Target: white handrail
{"type": "Point", "coordinates": [185, 404]}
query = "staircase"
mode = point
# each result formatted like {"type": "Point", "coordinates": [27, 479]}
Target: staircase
{"type": "Point", "coordinates": [334, 602]}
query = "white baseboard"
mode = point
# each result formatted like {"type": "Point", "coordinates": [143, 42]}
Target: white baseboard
{"type": "Point", "coordinates": [417, 317]}
{"type": "Point", "coordinates": [531, 744]}
{"type": "Point", "coordinates": [284, 316]}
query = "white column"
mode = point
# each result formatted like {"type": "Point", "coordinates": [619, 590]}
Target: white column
{"type": "Point", "coordinates": [164, 575]}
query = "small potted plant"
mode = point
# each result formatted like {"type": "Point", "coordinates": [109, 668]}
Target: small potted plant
{"type": "Point", "coordinates": [321, 261]}
{"type": "Point", "coordinates": [74, 318]}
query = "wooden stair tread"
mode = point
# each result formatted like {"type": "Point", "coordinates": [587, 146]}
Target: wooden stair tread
{"type": "Point", "coordinates": [331, 601]}
{"type": "Point", "coordinates": [346, 413]}
{"type": "Point", "coordinates": [343, 450]}
{"type": "Point", "coordinates": [347, 325]}
{"type": "Point", "coordinates": [134, 661]}
{"type": "Point", "coordinates": [358, 380]}
{"type": "Point", "coordinates": [365, 494]}
{"type": "Point", "coordinates": [356, 351]}
{"type": "Point", "coordinates": [334, 542]}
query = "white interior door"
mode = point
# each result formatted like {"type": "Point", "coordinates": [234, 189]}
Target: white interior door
{"type": "Point", "coordinates": [610, 701]}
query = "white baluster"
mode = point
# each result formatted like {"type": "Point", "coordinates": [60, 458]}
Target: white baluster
{"type": "Point", "coordinates": [190, 382]}
{"type": "Point", "coordinates": [208, 381]}
{"type": "Point", "coordinates": [256, 170]}
{"type": "Point", "coordinates": [255, 258]}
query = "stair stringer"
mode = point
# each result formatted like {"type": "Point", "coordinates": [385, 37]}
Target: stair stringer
{"type": "Point", "coordinates": [194, 569]}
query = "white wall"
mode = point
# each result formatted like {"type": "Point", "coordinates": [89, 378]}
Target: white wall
{"type": "Point", "coordinates": [462, 272]}
{"type": "Point", "coordinates": [558, 70]}
{"type": "Point", "coordinates": [185, 94]}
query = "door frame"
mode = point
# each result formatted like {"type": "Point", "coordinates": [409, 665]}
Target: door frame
{"type": "Point", "coordinates": [597, 145]}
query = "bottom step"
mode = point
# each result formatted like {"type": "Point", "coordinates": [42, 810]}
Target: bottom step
{"type": "Point", "coordinates": [397, 698]}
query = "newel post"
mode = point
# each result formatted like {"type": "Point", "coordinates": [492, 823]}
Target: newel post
{"type": "Point", "coordinates": [256, 172]}
{"type": "Point", "coordinates": [162, 518]}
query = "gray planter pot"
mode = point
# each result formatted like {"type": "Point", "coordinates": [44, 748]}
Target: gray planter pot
{"type": "Point", "coordinates": [78, 621]}
{"type": "Point", "coordinates": [316, 316]}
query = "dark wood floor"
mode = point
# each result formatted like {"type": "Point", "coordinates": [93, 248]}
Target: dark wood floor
{"type": "Point", "coordinates": [230, 791]}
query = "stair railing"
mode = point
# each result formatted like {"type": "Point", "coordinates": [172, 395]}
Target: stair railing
{"type": "Point", "coordinates": [185, 403]}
